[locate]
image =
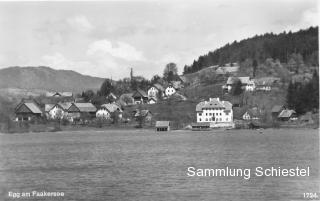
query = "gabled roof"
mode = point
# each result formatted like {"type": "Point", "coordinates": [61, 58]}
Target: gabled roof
{"type": "Point", "coordinates": [286, 113]}
{"type": "Point", "coordinates": [244, 80]}
{"type": "Point", "coordinates": [33, 108]}
{"type": "Point", "coordinates": [48, 107]}
{"type": "Point", "coordinates": [140, 92]}
{"type": "Point", "coordinates": [65, 106]}
{"type": "Point", "coordinates": [158, 86]}
{"type": "Point", "coordinates": [162, 123]}
{"type": "Point", "coordinates": [85, 107]}
{"type": "Point", "coordinates": [253, 112]}
{"type": "Point", "coordinates": [268, 81]}
{"type": "Point", "coordinates": [213, 103]}
{"type": "Point", "coordinates": [111, 107]}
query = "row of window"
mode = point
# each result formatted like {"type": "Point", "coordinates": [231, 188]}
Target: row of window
{"type": "Point", "coordinates": [211, 114]}
{"type": "Point", "coordinates": [213, 119]}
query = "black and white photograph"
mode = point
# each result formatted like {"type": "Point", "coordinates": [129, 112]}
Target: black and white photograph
{"type": "Point", "coordinates": [159, 100]}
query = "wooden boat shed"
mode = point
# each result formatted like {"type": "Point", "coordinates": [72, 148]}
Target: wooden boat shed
{"type": "Point", "coordinates": [163, 125]}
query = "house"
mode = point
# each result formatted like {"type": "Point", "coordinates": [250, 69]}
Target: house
{"type": "Point", "coordinates": [106, 110]}
{"type": "Point", "coordinates": [218, 113]}
{"type": "Point", "coordinates": [57, 111]}
{"type": "Point", "coordinates": [247, 83]}
{"type": "Point", "coordinates": [251, 114]}
{"type": "Point", "coordinates": [275, 111]}
{"type": "Point", "coordinates": [286, 115]}
{"type": "Point", "coordinates": [28, 110]}
{"type": "Point", "coordinates": [170, 90]}
{"type": "Point", "coordinates": [228, 69]}
{"type": "Point", "coordinates": [146, 114]}
{"type": "Point", "coordinates": [266, 83]}
{"type": "Point", "coordinates": [81, 111]}
{"type": "Point", "coordinates": [162, 125]}
{"type": "Point", "coordinates": [152, 100]}
{"type": "Point", "coordinates": [140, 97]}
{"type": "Point", "coordinates": [154, 92]}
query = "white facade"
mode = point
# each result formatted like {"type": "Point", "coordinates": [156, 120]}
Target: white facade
{"type": "Point", "coordinates": [103, 113]}
{"type": "Point", "coordinates": [57, 113]}
{"type": "Point", "coordinates": [250, 86]}
{"type": "Point", "coordinates": [215, 111]}
{"type": "Point", "coordinates": [152, 92]}
{"type": "Point", "coordinates": [170, 90]}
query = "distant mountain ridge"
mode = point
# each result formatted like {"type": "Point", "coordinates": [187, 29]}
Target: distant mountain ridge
{"type": "Point", "coordinates": [46, 78]}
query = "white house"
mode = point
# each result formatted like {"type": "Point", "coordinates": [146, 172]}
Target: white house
{"type": "Point", "coordinates": [57, 111]}
{"type": "Point", "coordinates": [106, 109]}
{"type": "Point", "coordinates": [170, 90]}
{"type": "Point", "coordinates": [154, 92]}
{"type": "Point", "coordinates": [247, 83]}
{"type": "Point", "coordinates": [217, 113]}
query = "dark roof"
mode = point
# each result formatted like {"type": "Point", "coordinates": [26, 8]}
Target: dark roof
{"type": "Point", "coordinates": [141, 92]}
{"type": "Point", "coordinates": [85, 107]}
{"type": "Point", "coordinates": [159, 86]}
{"type": "Point", "coordinates": [162, 124]}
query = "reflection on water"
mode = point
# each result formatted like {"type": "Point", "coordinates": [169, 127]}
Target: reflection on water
{"type": "Point", "coordinates": [144, 165]}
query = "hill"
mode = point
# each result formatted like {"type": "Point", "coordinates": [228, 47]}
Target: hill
{"type": "Point", "coordinates": [46, 78]}
{"type": "Point", "coordinates": [276, 46]}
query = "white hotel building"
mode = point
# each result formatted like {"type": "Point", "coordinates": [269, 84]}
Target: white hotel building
{"type": "Point", "coordinates": [217, 113]}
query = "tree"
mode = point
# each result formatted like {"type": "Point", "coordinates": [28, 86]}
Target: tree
{"type": "Point", "coordinates": [170, 67]}
{"type": "Point", "coordinates": [236, 88]}
{"type": "Point", "coordinates": [87, 95]}
{"type": "Point", "coordinates": [254, 65]}
{"type": "Point", "coordinates": [106, 88]}
{"type": "Point", "coordinates": [127, 99]}
{"type": "Point", "coordinates": [155, 79]}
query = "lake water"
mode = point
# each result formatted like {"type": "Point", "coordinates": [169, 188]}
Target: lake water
{"type": "Point", "coordinates": [145, 165]}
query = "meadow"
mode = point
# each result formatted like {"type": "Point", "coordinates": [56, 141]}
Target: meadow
{"type": "Point", "coordinates": [146, 165]}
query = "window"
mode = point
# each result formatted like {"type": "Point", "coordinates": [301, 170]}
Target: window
{"type": "Point", "coordinates": [199, 119]}
{"type": "Point", "coordinates": [200, 114]}
{"type": "Point", "coordinates": [227, 119]}
{"type": "Point", "coordinates": [206, 119]}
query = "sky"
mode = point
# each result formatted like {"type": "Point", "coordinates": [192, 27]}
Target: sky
{"type": "Point", "coordinates": [107, 38]}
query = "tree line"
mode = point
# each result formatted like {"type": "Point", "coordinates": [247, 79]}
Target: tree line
{"type": "Point", "coordinates": [260, 47]}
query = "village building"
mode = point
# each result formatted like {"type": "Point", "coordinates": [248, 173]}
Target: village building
{"type": "Point", "coordinates": [57, 111]}
{"type": "Point", "coordinates": [152, 100]}
{"type": "Point", "coordinates": [200, 126]}
{"type": "Point", "coordinates": [230, 68]}
{"type": "Point", "coordinates": [266, 83]}
{"type": "Point", "coordinates": [286, 115]}
{"type": "Point", "coordinates": [247, 84]}
{"type": "Point", "coordinates": [170, 90]}
{"type": "Point", "coordinates": [28, 110]}
{"type": "Point", "coordinates": [154, 92]}
{"type": "Point", "coordinates": [81, 111]}
{"type": "Point", "coordinates": [276, 110]}
{"type": "Point", "coordinates": [251, 114]}
{"type": "Point", "coordinates": [217, 113]}
{"type": "Point", "coordinates": [162, 126]}
{"type": "Point", "coordinates": [140, 97]}
{"type": "Point", "coordinates": [106, 110]}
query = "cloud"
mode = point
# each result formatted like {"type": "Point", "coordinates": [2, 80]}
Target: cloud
{"type": "Point", "coordinates": [80, 23]}
{"type": "Point", "coordinates": [121, 50]}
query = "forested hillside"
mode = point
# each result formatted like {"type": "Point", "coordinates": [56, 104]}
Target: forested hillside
{"type": "Point", "coordinates": [277, 46]}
